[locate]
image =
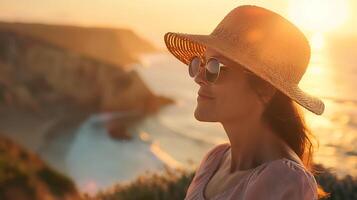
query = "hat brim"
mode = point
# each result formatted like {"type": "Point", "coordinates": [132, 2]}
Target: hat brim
{"type": "Point", "coordinates": [184, 46]}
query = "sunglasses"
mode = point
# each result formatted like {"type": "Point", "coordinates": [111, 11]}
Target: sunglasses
{"type": "Point", "coordinates": [212, 68]}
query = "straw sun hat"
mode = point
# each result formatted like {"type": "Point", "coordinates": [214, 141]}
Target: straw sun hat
{"type": "Point", "coordinates": [260, 40]}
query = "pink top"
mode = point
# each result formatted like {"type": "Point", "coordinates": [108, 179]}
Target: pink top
{"type": "Point", "coordinates": [275, 180]}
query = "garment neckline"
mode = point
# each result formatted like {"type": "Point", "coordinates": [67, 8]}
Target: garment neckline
{"type": "Point", "coordinates": [236, 171]}
{"type": "Point", "coordinates": [211, 172]}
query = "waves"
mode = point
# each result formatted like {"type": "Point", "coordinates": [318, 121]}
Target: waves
{"type": "Point", "coordinates": [164, 156]}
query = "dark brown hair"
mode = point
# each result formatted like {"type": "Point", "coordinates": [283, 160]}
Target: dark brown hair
{"type": "Point", "coordinates": [287, 120]}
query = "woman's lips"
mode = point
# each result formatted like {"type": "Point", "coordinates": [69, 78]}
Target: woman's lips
{"type": "Point", "coordinates": [204, 96]}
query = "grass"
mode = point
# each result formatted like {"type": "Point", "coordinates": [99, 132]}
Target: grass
{"type": "Point", "coordinates": [339, 188]}
{"type": "Point", "coordinates": [171, 184]}
{"type": "Point", "coordinates": [24, 175]}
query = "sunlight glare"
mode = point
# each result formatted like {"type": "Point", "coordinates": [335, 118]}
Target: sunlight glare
{"type": "Point", "coordinates": [317, 41]}
{"type": "Point", "coordinates": [318, 15]}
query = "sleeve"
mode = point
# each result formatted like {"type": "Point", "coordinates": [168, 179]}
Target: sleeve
{"type": "Point", "coordinates": [202, 167]}
{"type": "Point", "coordinates": [282, 180]}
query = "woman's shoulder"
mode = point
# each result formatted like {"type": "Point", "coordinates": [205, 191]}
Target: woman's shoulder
{"type": "Point", "coordinates": [215, 150]}
{"type": "Point", "coordinates": [211, 155]}
{"type": "Point", "coordinates": [282, 179]}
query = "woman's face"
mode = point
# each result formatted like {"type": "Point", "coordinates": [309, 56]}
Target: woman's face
{"type": "Point", "coordinates": [230, 97]}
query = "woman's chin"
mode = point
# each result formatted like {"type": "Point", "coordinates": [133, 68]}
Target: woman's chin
{"type": "Point", "coordinates": [204, 115]}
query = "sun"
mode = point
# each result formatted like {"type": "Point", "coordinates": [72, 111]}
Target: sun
{"type": "Point", "coordinates": [318, 15]}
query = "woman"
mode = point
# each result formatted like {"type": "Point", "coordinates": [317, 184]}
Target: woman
{"type": "Point", "coordinates": [248, 70]}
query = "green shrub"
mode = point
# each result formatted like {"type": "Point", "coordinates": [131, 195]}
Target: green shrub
{"type": "Point", "coordinates": [13, 176]}
{"type": "Point", "coordinates": [152, 186]}
{"type": "Point", "coordinates": [57, 183]}
{"type": "Point", "coordinates": [339, 188]}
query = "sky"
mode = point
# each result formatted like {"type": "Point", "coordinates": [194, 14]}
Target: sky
{"type": "Point", "coordinates": [151, 19]}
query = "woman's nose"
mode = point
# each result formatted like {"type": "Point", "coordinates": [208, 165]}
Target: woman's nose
{"type": "Point", "coordinates": [199, 78]}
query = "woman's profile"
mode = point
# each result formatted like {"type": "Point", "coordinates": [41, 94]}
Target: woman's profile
{"type": "Point", "coordinates": [248, 70]}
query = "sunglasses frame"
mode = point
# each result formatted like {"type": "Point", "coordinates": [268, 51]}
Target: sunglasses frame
{"type": "Point", "coordinates": [204, 62]}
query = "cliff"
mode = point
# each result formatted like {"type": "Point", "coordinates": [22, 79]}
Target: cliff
{"type": "Point", "coordinates": [115, 46]}
{"type": "Point", "coordinates": [35, 72]}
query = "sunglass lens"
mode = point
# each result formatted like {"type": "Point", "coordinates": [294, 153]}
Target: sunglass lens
{"type": "Point", "coordinates": [212, 70]}
{"type": "Point", "coordinates": [194, 66]}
